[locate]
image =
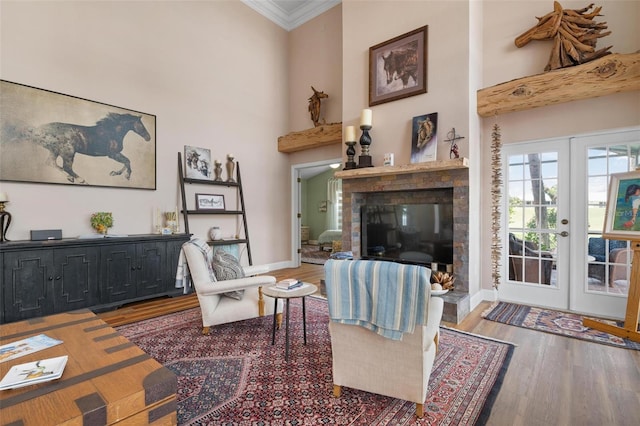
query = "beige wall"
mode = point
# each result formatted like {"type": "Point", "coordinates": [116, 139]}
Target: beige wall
{"type": "Point", "coordinates": [219, 75]}
{"type": "Point", "coordinates": [471, 46]}
{"type": "Point", "coordinates": [215, 75]}
{"type": "Point", "coordinates": [315, 59]}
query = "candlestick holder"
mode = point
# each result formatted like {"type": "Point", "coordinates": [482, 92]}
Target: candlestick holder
{"type": "Point", "coordinates": [4, 215]}
{"type": "Point", "coordinates": [351, 152]}
{"type": "Point", "coordinates": [364, 160]}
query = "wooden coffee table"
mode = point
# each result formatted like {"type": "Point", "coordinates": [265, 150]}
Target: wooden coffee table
{"type": "Point", "coordinates": [272, 291]}
{"type": "Point", "coordinates": [107, 380]}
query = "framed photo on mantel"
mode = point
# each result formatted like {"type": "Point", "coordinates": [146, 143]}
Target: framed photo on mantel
{"type": "Point", "coordinates": [424, 138]}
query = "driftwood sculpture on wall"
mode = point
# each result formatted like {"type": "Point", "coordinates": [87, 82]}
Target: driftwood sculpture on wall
{"type": "Point", "coordinates": [315, 104]}
{"type": "Point", "coordinates": [574, 34]}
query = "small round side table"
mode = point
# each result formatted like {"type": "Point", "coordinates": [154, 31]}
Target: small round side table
{"type": "Point", "coordinates": [306, 289]}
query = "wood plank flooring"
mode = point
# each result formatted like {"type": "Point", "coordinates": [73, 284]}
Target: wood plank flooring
{"type": "Point", "coordinates": [552, 380]}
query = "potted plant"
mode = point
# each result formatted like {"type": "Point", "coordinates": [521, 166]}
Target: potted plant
{"type": "Point", "coordinates": [101, 221]}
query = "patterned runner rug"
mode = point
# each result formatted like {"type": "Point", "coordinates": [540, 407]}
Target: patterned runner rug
{"type": "Point", "coordinates": [235, 376]}
{"type": "Point", "coordinates": [556, 322]}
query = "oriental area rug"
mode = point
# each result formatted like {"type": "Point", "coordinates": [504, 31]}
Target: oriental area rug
{"type": "Point", "coordinates": [234, 376]}
{"type": "Point", "coordinates": [312, 254]}
{"type": "Point", "coordinates": [556, 322]}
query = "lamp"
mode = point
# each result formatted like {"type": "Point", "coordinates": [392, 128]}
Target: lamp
{"type": "Point", "coordinates": [4, 198]}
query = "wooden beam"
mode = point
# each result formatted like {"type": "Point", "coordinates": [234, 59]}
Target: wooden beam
{"type": "Point", "coordinates": [614, 73]}
{"type": "Point", "coordinates": [323, 135]}
{"type": "Point", "coordinates": [429, 166]}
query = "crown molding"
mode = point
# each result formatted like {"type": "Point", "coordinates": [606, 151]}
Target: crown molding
{"type": "Point", "coordinates": [291, 19]}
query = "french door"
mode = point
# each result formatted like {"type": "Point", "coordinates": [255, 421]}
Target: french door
{"type": "Point", "coordinates": [555, 194]}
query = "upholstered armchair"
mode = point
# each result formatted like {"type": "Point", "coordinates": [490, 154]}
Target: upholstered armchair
{"type": "Point", "coordinates": [228, 300]}
{"type": "Point", "coordinates": [384, 328]}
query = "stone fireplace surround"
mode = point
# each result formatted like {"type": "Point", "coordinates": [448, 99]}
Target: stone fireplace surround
{"type": "Point", "coordinates": [441, 181]}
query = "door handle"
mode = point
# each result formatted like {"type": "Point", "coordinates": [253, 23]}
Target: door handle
{"type": "Point", "coordinates": [563, 234]}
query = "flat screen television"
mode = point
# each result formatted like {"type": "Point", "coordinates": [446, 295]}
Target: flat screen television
{"type": "Point", "coordinates": [408, 233]}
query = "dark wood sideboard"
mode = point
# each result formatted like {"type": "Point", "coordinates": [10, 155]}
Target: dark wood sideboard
{"type": "Point", "coordinates": [46, 277]}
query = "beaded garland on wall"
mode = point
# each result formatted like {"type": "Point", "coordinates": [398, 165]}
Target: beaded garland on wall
{"type": "Point", "coordinates": [496, 195]}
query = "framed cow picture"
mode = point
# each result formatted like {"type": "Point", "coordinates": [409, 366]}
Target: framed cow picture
{"type": "Point", "coordinates": [398, 67]}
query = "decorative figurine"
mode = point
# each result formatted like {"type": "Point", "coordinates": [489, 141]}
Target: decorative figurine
{"type": "Point", "coordinates": [217, 170]}
{"type": "Point", "coordinates": [230, 167]}
{"type": "Point", "coordinates": [452, 138]}
{"type": "Point", "coordinates": [315, 104]}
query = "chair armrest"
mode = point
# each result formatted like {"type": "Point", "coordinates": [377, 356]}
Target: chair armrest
{"type": "Point", "coordinates": [255, 270]}
{"type": "Point", "coordinates": [620, 255]}
{"type": "Point", "coordinates": [218, 287]}
{"type": "Point", "coordinates": [436, 307]}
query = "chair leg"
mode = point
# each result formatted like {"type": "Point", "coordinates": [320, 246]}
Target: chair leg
{"type": "Point", "coordinates": [337, 391]}
{"type": "Point", "coordinates": [436, 340]}
{"type": "Point", "coordinates": [419, 410]}
{"type": "Point", "coordinates": [260, 302]}
{"type": "Point", "coordinates": [205, 331]}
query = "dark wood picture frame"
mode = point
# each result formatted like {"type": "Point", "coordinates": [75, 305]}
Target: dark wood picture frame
{"type": "Point", "coordinates": [209, 202]}
{"type": "Point", "coordinates": [50, 137]}
{"type": "Point", "coordinates": [398, 67]}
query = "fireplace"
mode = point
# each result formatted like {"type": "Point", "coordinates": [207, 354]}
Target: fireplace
{"type": "Point", "coordinates": [440, 181]}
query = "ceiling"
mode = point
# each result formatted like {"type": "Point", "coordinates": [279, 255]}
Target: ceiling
{"type": "Point", "coordinates": [289, 14]}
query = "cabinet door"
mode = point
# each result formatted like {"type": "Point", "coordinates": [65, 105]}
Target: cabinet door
{"type": "Point", "coordinates": [76, 278]}
{"type": "Point", "coordinates": [151, 268]}
{"type": "Point", "coordinates": [117, 272]}
{"type": "Point", "coordinates": [28, 282]}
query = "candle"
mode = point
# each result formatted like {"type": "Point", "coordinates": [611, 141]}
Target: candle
{"type": "Point", "coordinates": [350, 134]}
{"type": "Point", "coordinates": [366, 118]}
{"type": "Point", "coordinates": [4, 197]}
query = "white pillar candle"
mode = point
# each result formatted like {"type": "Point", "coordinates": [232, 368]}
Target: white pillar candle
{"type": "Point", "coordinates": [350, 134]}
{"type": "Point", "coordinates": [366, 118]}
{"type": "Point", "coordinates": [4, 197]}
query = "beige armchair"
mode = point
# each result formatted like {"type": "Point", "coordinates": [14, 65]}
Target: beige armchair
{"type": "Point", "coordinates": [219, 309]}
{"type": "Point", "coordinates": [362, 357]}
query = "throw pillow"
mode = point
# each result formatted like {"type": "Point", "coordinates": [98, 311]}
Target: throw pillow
{"type": "Point", "coordinates": [227, 267]}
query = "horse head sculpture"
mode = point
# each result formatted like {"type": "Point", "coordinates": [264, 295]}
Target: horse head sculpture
{"type": "Point", "coordinates": [574, 35]}
{"type": "Point", "coordinates": [314, 105]}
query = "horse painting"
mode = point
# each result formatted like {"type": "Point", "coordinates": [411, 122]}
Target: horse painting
{"type": "Point", "coordinates": [401, 64]}
{"type": "Point", "coordinates": [105, 139]}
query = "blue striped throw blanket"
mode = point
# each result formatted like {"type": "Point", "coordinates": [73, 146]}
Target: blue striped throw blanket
{"type": "Point", "coordinates": [387, 298]}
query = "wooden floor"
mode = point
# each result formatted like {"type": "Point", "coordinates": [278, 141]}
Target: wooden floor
{"type": "Point", "coordinates": [552, 380]}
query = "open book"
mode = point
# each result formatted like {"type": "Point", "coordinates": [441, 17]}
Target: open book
{"type": "Point", "coordinates": [31, 373]}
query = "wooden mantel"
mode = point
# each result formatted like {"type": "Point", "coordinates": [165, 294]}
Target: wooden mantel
{"type": "Point", "coordinates": [430, 166]}
{"type": "Point", "coordinates": [614, 73]}
{"type": "Point", "coordinates": [326, 134]}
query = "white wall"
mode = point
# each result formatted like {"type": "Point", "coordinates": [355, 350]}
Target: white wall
{"type": "Point", "coordinates": [215, 75]}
